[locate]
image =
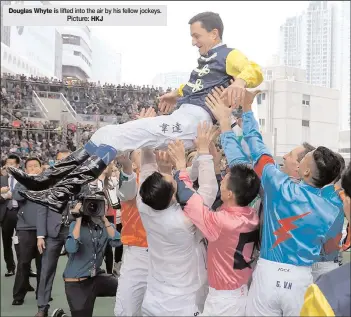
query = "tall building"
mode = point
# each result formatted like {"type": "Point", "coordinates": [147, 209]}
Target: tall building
{"type": "Point", "coordinates": [107, 63]}
{"type": "Point", "coordinates": [76, 52]}
{"type": "Point", "coordinates": [318, 40]}
{"type": "Point", "coordinates": [291, 111]}
{"type": "Point", "coordinates": [291, 42]}
{"type": "Point", "coordinates": [341, 59]}
{"type": "Point", "coordinates": [30, 50]}
{"type": "Point", "coordinates": [319, 44]}
{"type": "Point", "coordinates": [306, 42]}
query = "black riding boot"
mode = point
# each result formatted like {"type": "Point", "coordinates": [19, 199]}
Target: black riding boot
{"type": "Point", "coordinates": [53, 174]}
{"type": "Point", "coordinates": [57, 197]}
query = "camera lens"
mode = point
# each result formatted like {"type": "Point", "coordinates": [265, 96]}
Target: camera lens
{"type": "Point", "coordinates": [92, 208]}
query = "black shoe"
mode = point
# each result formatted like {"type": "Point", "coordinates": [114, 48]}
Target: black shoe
{"type": "Point", "coordinates": [17, 302]}
{"type": "Point", "coordinates": [32, 274]}
{"type": "Point", "coordinates": [41, 314]}
{"type": "Point", "coordinates": [53, 174]}
{"type": "Point", "coordinates": [9, 273]}
{"type": "Point", "coordinates": [57, 197]}
{"type": "Point", "coordinates": [58, 313]}
{"type": "Point", "coordinates": [30, 288]}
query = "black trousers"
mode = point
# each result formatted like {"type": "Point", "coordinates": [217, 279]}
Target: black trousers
{"type": "Point", "coordinates": [109, 250]}
{"type": "Point", "coordinates": [27, 251]}
{"type": "Point", "coordinates": [49, 262]}
{"type": "Point", "coordinates": [8, 229]}
{"type": "Point", "coordinates": [81, 295]}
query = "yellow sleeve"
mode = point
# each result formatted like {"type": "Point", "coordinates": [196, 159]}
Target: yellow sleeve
{"type": "Point", "coordinates": [315, 303]}
{"type": "Point", "coordinates": [180, 90]}
{"type": "Point", "coordinates": [238, 66]}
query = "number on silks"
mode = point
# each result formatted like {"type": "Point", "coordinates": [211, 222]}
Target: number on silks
{"type": "Point", "coordinates": [244, 238]}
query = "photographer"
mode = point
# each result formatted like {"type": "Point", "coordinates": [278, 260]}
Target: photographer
{"type": "Point", "coordinates": [109, 185]}
{"type": "Point", "coordinates": [88, 237]}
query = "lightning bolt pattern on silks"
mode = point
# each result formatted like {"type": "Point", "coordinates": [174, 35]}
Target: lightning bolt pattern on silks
{"type": "Point", "coordinates": [286, 225]}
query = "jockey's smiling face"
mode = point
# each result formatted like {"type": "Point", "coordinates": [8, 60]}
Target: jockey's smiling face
{"type": "Point", "coordinates": [203, 39]}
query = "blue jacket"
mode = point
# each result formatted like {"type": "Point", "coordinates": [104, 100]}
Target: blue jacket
{"type": "Point", "coordinates": [297, 217]}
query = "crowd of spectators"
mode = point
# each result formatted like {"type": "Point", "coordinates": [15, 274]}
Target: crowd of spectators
{"type": "Point", "coordinates": [25, 131]}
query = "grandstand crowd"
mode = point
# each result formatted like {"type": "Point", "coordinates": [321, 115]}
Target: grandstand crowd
{"type": "Point", "coordinates": [24, 132]}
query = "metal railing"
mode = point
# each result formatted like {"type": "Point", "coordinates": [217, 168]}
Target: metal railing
{"type": "Point", "coordinates": [68, 106]}
{"type": "Point", "coordinates": [38, 103]}
{"type": "Point", "coordinates": [65, 103]}
{"type": "Point", "coordinates": [98, 118]}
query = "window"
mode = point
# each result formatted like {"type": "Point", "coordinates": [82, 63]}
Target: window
{"type": "Point", "coordinates": [75, 40]}
{"type": "Point", "coordinates": [263, 96]}
{"type": "Point", "coordinates": [262, 122]}
{"type": "Point", "coordinates": [305, 123]}
{"type": "Point", "coordinates": [82, 56]}
{"type": "Point", "coordinates": [269, 75]}
{"type": "Point", "coordinates": [70, 39]}
{"type": "Point", "coordinates": [259, 100]}
{"type": "Point", "coordinates": [306, 100]}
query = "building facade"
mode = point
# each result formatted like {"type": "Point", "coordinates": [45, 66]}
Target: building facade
{"type": "Point", "coordinates": [29, 50]}
{"type": "Point", "coordinates": [344, 143]}
{"type": "Point", "coordinates": [76, 52]}
{"type": "Point", "coordinates": [318, 41]}
{"type": "Point", "coordinates": [341, 59]}
{"type": "Point", "coordinates": [306, 42]}
{"type": "Point", "coordinates": [291, 111]}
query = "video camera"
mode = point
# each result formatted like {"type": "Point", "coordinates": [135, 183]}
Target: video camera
{"type": "Point", "coordinates": [93, 204]}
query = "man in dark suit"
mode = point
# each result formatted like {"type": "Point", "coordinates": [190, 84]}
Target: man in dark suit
{"type": "Point", "coordinates": [27, 235]}
{"type": "Point", "coordinates": [8, 214]}
{"type": "Point", "coordinates": [52, 231]}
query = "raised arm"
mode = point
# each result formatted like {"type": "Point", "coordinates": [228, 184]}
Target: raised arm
{"type": "Point", "coordinates": [200, 215]}
{"type": "Point", "coordinates": [260, 155]}
{"type": "Point", "coordinates": [272, 178]}
{"type": "Point", "coordinates": [208, 186]}
{"type": "Point", "coordinates": [259, 152]}
{"type": "Point", "coordinates": [229, 141]}
{"type": "Point", "coordinates": [193, 170]}
{"type": "Point", "coordinates": [148, 164]}
{"type": "Point", "coordinates": [128, 187]}
{"type": "Point", "coordinates": [233, 150]}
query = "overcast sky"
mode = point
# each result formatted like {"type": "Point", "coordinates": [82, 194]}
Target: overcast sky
{"type": "Point", "coordinates": [250, 26]}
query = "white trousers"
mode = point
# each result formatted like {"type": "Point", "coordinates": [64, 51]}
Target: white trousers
{"type": "Point", "coordinates": [154, 132]}
{"type": "Point", "coordinates": [226, 302]}
{"type": "Point", "coordinates": [277, 289]}
{"type": "Point", "coordinates": [132, 281]}
{"type": "Point", "coordinates": [320, 268]}
{"type": "Point", "coordinates": [157, 303]}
